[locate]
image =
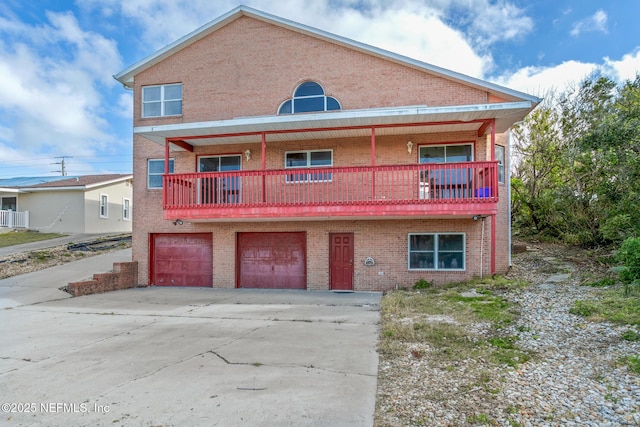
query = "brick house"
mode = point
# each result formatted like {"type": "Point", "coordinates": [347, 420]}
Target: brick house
{"type": "Point", "coordinates": [271, 154]}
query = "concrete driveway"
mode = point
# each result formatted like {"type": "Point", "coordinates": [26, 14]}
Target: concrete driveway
{"type": "Point", "coordinates": [185, 356]}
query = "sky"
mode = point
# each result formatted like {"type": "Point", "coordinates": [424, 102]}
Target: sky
{"type": "Point", "coordinates": [59, 100]}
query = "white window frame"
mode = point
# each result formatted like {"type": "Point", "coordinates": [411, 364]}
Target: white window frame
{"type": "Point", "coordinates": [162, 100]}
{"type": "Point", "coordinates": [471, 144]}
{"type": "Point", "coordinates": [221, 194]}
{"type": "Point", "coordinates": [104, 205]}
{"type": "Point", "coordinates": [501, 162]}
{"type": "Point", "coordinates": [292, 101]}
{"type": "Point", "coordinates": [436, 252]}
{"type": "Point", "coordinates": [126, 209]}
{"type": "Point", "coordinates": [149, 174]}
{"type": "Point", "coordinates": [291, 179]}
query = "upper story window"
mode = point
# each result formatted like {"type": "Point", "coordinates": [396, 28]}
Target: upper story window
{"type": "Point", "coordinates": [446, 153]}
{"type": "Point", "coordinates": [309, 97]}
{"type": "Point", "coordinates": [162, 100]}
{"type": "Point", "coordinates": [501, 160]}
{"type": "Point", "coordinates": [308, 159]}
{"type": "Point", "coordinates": [155, 170]}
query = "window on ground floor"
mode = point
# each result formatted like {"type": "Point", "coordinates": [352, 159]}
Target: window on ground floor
{"type": "Point", "coordinates": [126, 209]}
{"type": "Point", "coordinates": [9, 203]}
{"type": "Point", "coordinates": [436, 251]}
{"type": "Point", "coordinates": [104, 206]}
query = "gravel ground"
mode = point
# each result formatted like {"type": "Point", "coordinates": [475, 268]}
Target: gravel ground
{"type": "Point", "coordinates": [29, 261]}
{"type": "Point", "coordinates": [573, 378]}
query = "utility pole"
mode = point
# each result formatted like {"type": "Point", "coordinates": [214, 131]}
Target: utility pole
{"type": "Point", "coordinates": [62, 170]}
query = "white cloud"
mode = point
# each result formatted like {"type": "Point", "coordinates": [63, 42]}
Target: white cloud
{"type": "Point", "coordinates": [493, 22]}
{"type": "Point", "coordinates": [627, 68]}
{"type": "Point", "coordinates": [539, 81]}
{"type": "Point", "coordinates": [125, 106]}
{"type": "Point", "coordinates": [408, 27]}
{"type": "Point", "coordinates": [542, 80]}
{"type": "Point", "coordinates": [596, 22]}
{"type": "Point", "coordinates": [51, 78]}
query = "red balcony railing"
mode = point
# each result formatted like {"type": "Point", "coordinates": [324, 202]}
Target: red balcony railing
{"type": "Point", "coordinates": [443, 183]}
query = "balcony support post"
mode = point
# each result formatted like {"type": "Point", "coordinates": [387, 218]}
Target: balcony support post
{"type": "Point", "coordinates": [166, 172]}
{"type": "Point", "coordinates": [373, 146]}
{"type": "Point", "coordinates": [263, 163]}
{"type": "Point", "coordinates": [373, 163]}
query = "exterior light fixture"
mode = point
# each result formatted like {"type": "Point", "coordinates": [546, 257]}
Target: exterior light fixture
{"type": "Point", "coordinates": [178, 222]}
{"type": "Point", "coordinates": [247, 154]}
{"type": "Point", "coordinates": [409, 147]}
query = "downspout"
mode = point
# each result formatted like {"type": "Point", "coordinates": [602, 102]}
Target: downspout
{"type": "Point", "coordinates": [495, 185]}
{"type": "Point", "coordinates": [507, 166]}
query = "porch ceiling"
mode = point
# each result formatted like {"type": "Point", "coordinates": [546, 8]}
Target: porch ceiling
{"type": "Point", "coordinates": [341, 124]}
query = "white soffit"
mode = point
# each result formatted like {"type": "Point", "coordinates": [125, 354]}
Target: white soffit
{"type": "Point", "coordinates": [339, 124]}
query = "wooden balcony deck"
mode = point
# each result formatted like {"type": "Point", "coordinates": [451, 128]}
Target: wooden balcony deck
{"type": "Point", "coordinates": [422, 190]}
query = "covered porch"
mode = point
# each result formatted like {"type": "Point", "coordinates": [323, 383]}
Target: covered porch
{"type": "Point", "coordinates": [374, 191]}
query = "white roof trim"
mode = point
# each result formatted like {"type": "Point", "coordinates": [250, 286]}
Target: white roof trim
{"type": "Point", "coordinates": [76, 187]}
{"type": "Point", "coordinates": [126, 76]}
{"type": "Point", "coordinates": [112, 181]}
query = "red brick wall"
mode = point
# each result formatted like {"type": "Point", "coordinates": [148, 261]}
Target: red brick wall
{"type": "Point", "coordinates": [386, 241]}
{"type": "Point", "coordinates": [249, 68]}
{"type": "Point", "coordinates": [124, 276]}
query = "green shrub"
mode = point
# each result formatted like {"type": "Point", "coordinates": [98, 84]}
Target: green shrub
{"type": "Point", "coordinates": [629, 257]}
{"type": "Point", "coordinates": [583, 308]}
{"type": "Point", "coordinates": [422, 284]}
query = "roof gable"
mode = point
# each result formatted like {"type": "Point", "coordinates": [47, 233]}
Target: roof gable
{"type": "Point", "coordinates": [126, 76]}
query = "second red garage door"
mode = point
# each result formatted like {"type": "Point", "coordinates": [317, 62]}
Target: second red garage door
{"type": "Point", "coordinates": [272, 260]}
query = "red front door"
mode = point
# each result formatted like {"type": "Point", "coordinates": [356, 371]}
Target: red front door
{"type": "Point", "coordinates": [182, 259]}
{"type": "Point", "coordinates": [341, 264]}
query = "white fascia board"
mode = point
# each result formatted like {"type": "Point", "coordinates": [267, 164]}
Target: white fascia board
{"type": "Point", "coordinates": [37, 190]}
{"type": "Point", "coordinates": [112, 181]}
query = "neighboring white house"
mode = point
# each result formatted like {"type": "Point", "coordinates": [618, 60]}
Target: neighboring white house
{"type": "Point", "coordinates": [82, 204]}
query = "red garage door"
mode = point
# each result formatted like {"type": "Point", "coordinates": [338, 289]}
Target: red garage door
{"type": "Point", "coordinates": [272, 260]}
{"type": "Point", "coordinates": [181, 260]}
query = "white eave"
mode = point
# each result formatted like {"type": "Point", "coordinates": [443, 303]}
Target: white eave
{"type": "Point", "coordinates": [76, 187]}
{"type": "Point", "coordinates": [341, 124]}
{"type": "Point", "coordinates": [126, 76]}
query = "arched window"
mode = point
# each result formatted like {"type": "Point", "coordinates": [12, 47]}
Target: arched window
{"type": "Point", "coordinates": [308, 97]}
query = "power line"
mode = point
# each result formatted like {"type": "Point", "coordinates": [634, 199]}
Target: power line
{"type": "Point", "coordinates": [63, 171]}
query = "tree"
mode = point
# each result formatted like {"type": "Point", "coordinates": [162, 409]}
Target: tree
{"type": "Point", "coordinates": [539, 166]}
{"type": "Point", "coordinates": [577, 164]}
